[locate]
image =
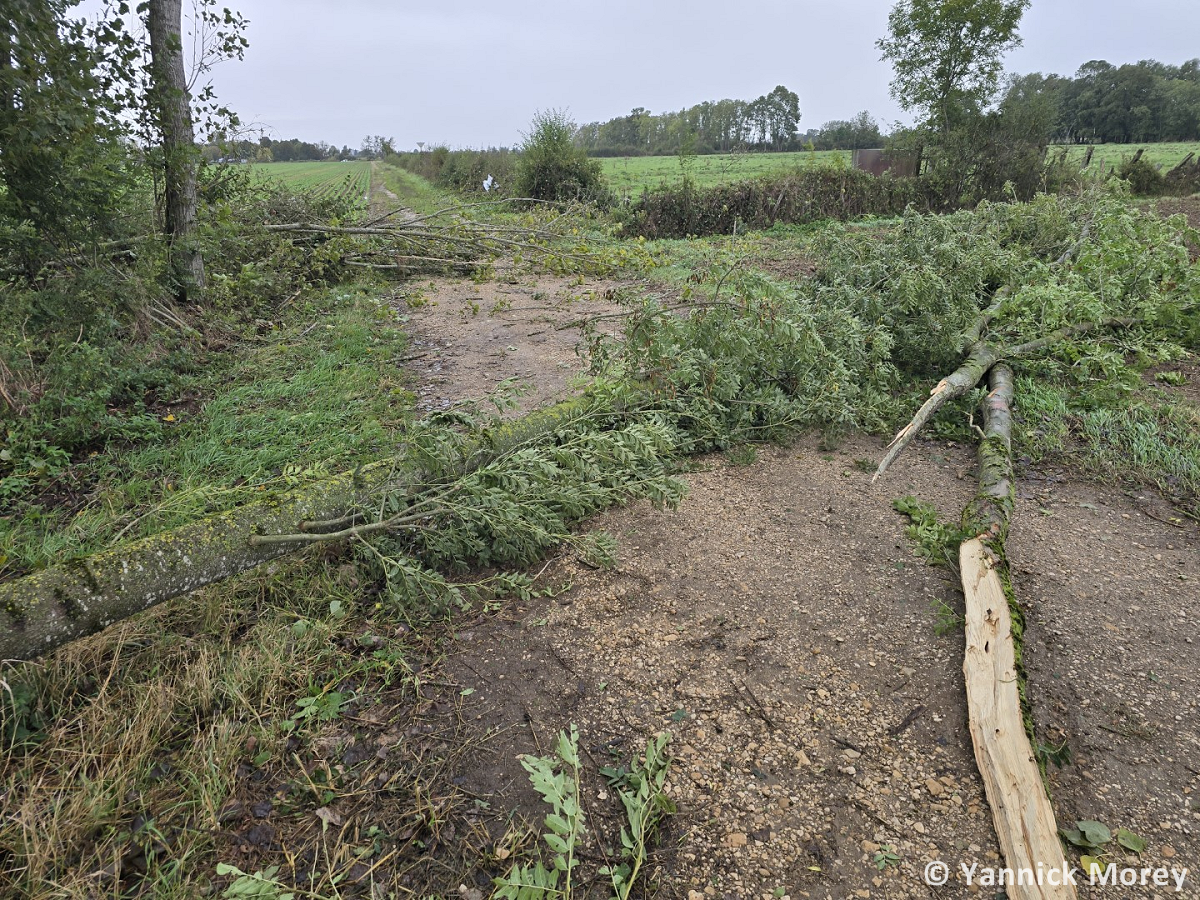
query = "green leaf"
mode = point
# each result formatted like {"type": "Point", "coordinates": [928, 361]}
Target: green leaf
{"type": "Point", "coordinates": [1074, 837]}
{"type": "Point", "coordinates": [1130, 841]}
{"type": "Point", "coordinates": [1096, 833]}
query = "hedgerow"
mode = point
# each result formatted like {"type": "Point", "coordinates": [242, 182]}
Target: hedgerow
{"type": "Point", "coordinates": [809, 194]}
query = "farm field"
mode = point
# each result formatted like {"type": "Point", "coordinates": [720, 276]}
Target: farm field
{"type": "Point", "coordinates": [322, 178]}
{"type": "Point", "coordinates": [629, 175]}
{"type": "Point", "coordinates": [1165, 155]}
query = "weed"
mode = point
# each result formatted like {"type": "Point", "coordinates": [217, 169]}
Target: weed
{"type": "Point", "coordinates": [742, 455]}
{"type": "Point", "coordinates": [947, 619]}
{"type": "Point", "coordinates": [1175, 378]}
{"type": "Point", "coordinates": [556, 779]}
{"type": "Point", "coordinates": [937, 543]}
{"type": "Point", "coordinates": [886, 856]}
{"type": "Point", "coordinates": [642, 794]}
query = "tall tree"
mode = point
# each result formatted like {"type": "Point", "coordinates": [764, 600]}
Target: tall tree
{"type": "Point", "coordinates": [946, 55]}
{"type": "Point", "coordinates": [172, 103]}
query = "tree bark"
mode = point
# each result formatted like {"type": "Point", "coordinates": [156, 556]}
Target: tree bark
{"type": "Point", "coordinates": [65, 602]}
{"type": "Point", "coordinates": [988, 514]}
{"type": "Point", "coordinates": [173, 106]}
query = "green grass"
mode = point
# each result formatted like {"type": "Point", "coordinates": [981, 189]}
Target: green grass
{"type": "Point", "coordinates": [321, 178]}
{"type": "Point", "coordinates": [1165, 155]}
{"type": "Point", "coordinates": [414, 191]}
{"type": "Point", "coordinates": [315, 395]}
{"type": "Point", "coordinates": [631, 174]}
{"type": "Point", "coordinates": [1152, 438]}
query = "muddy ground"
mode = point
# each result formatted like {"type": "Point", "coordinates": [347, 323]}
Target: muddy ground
{"type": "Point", "coordinates": [778, 626]}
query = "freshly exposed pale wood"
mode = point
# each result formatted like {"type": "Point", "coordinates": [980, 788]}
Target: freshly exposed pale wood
{"type": "Point", "coordinates": [1021, 811]}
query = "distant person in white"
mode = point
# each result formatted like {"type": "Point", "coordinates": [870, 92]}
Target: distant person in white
{"type": "Point", "coordinates": [488, 182]}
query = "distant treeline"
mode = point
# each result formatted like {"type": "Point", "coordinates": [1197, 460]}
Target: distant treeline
{"type": "Point", "coordinates": [1139, 102]}
{"type": "Point", "coordinates": [268, 149]}
{"type": "Point", "coordinates": [767, 123]}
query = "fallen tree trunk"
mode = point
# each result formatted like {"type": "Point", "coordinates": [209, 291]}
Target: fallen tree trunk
{"type": "Point", "coordinates": [1021, 810]}
{"type": "Point", "coordinates": [47, 609]}
{"type": "Point", "coordinates": [979, 362]}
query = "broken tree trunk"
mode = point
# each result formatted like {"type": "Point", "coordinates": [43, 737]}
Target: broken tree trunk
{"type": "Point", "coordinates": [65, 602]}
{"type": "Point", "coordinates": [1021, 810]}
{"type": "Point", "coordinates": [980, 361]}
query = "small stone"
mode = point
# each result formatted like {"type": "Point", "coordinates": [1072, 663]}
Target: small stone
{"type": "Point", "coordinates": [802, 759]}
{"type": "Point", "coordinates": [1167, 850]}
{"type": "Point", "coordinates": [851, 754]}
{"type": "Point", "coordinates": [934, 787]}
{"type": "Point", "coordinates": [736, 839]}
{"type": "Point", "coordinates": [918, 828]}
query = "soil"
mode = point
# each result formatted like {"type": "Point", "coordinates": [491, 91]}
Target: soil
{"type": "Point", "coordinates": [468, 338]}
{"type": "Point", "coordinates": [1185, 206]}
{"type": "Point", "coordinates": [778, 626]}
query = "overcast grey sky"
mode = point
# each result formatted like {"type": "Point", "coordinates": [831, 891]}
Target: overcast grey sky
{"type": "Point", "coordinates": [474, 72]}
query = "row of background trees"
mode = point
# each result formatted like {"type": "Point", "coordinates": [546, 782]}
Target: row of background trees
{"type": "Point", "coordinates": [265, 148]}
{"type": "Point", "coordinates": [769, 122]}
{"type": "Point", "coordinates": [1141, 102]}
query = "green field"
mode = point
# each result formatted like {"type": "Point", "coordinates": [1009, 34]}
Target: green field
{"type": "Point", "coordinates": [629, 175]}
{"type": "Point", "coordinates": [321, 178]}
{"type": "Point", "coordinates": [1164, 155]}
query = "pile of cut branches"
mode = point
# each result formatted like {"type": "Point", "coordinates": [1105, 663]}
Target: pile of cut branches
{"type": "Point", "coordinates": [456, 239]}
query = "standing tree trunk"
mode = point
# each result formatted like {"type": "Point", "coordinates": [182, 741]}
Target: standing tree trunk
{"type": "Point", "coordinates": [170, 98]}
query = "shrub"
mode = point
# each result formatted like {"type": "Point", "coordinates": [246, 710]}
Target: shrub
{"type": "Point", "coordinates": [1144, 179]}
{"type": "Point", "coordinates": [551, 167]}
{"type": "Point", "coordinates": [809, 194]}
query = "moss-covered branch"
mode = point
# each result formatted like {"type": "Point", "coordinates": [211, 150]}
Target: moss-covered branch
{"type": "Point", "coordinates": [988, 514]}
{"type": "Point", "coordinates": [959, 382]}
{"type": "Point", "coordinates": [980, 360]}
{"type": "Point", "coordinates": [65, 602]}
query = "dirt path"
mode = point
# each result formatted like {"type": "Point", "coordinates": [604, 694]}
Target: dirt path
{"type": "Point", "coordinates": [468, 337]}
{"type": "Point", "coordinates": [779, 627]}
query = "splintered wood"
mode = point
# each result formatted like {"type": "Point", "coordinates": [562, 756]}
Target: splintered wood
{"type": "Point", "coordinates": [1021, 811]}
